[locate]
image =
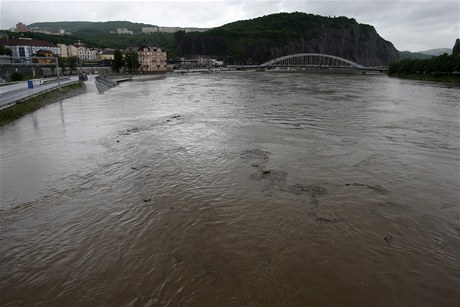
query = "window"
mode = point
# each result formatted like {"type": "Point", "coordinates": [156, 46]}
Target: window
{"type": "Point", "coordinates": [22, 52]}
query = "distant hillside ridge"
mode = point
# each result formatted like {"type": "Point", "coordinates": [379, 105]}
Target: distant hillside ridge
{"type": "Point", "coordinates": [414, 55]}
{"type": "Point", "coordinates": [437, 52]}
{"type": "Point", "coordinates": [423, 55]}
{"type": "Point", "coordinates": [264, 38]}
{"type": "Point", "coordinates": [76, 27]}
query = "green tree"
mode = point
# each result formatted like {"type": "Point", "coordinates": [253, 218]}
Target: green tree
{"type": "Point", "coordinates": [62, 63]}
{"type": "Point", "coordinates": [72, 62]}
{"type": "Point", "coordinates": [5, 51]}
{"type": "Point", "coordinates": [179, 36]}
{"type": "Point", "coordinates": [117, 60]}
{"type": "Point", "coordinates": [132, 61]}
{"type": "Point", "coordinates": [17, 76]}
{"type": "Point", "coordinates": [443, 64]}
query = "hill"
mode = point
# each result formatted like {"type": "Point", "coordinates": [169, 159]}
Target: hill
{"type": "Point", "coordinates": [436, 52]}
{"type": "Point", "coordinates": [264, 38]}
{"type": "Point", "coordinates": [424, 55]}
{"type": "Point", "coordinates": [81, 27]}
{"type": "Point", "coordinates": [248, 41]}
{"type": "Point", "coordinates": [413, 55]}
{"type": "Point", "coordinates": [101, 34]}
{"type": "Point", "coordinates": [98, 40]}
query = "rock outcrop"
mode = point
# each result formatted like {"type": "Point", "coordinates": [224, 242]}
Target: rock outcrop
{"type": "Point", "coordinates": [262, 39]}
{"type": "Point", "coordinates": [456, 49]}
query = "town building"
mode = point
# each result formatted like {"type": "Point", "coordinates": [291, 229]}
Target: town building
{"type": "Point", "coordinates": [38, 30]}
{"type": "Point", "coordinates": [63, 50]}
{"type": "Point", "coordinates": [20, 27]}
{"type": "Point", "coordinates": [86, 54]}
{"type": "Point", "coordinates": [5, 59]}
{"type": "Point", "coordinates": [68, 51]}
{"type": "Point", "coordinates": [43, 57]}
{"type": "Point", "coordinates": [204, 61]}
{"type": "Point", "coordinates": [175, 29]}
{"type": "Point", "coordinates": [105, 57]}
{"type": "Point", "coordinates": [23, 49]}
{"type": "Point", "coordinates": [150, 29]}
{"type": "Point", "coordinates": [124, 31]}
{"type": "Point", "coordinates": [72, 51]}
{"type": "Point", "coordinates": [199, 62]}
{"type": "Point", "coordinates": [169, 29]}
{"type": "Point", "coordinates": [152, 59]}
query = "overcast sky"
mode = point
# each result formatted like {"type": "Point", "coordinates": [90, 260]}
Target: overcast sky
{"type": "Point", "coordinates": [413, 25]}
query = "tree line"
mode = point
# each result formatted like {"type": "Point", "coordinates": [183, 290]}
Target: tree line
{"type": "Point", "coordinates": [443, 64]}
{"type": "Point", "coordinates": [129, 60]}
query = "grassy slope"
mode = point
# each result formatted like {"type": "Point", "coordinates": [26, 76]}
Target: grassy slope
{"type": "Point", "coordinates": [20, 109]}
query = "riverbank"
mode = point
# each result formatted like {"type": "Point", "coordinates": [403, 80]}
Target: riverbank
{"type": "Point", "coordinates": [454, 79]}
{"type": "Point", "coordinates": [24, 107]}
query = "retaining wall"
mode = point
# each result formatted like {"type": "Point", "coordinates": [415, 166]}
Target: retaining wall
{"type": "Point", "coordinates": [104, 84]}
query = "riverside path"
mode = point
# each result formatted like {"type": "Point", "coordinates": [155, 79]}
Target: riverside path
{"type": "Point", "coordinates": [12, 93]}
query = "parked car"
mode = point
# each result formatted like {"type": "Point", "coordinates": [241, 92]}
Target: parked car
{"type": "Point", "coordinates": [83, 77]}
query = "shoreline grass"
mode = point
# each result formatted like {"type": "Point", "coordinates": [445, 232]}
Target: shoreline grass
{"type": "Point", "coordinates": [27, 106]}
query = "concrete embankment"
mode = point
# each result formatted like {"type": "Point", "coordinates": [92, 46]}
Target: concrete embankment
{"type": "Point", "coordinates": [104, 84]}
{"type": "Point", "coordinates": [26, 106]}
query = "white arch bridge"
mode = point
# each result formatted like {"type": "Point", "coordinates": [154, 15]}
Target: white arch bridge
{"type": "Point", "coordinates": [312, 61]}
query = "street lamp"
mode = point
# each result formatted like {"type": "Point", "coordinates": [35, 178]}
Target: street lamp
{"type": "Point", "coordinates": [57, 72]}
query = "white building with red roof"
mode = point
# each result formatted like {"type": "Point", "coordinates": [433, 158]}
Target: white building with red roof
{"type": "Point", "coordinates": [24, 48]}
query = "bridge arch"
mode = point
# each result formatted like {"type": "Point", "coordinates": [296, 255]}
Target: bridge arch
{"type": "Point", "coordinates": [311, 59]}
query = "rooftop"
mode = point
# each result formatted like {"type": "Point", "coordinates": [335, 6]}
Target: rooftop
{"type": "Point", "coordinates": [25, 42]}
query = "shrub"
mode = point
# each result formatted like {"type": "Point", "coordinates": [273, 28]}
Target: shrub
{"type": "Point", "coordinates": [17, 76]}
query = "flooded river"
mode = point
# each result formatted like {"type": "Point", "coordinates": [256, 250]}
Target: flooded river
{"type": "Point", "coordinates": [231, 189]}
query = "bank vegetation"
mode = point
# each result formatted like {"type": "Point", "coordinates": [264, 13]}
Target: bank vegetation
{"type": "Point", "coordinates": [445, 68]}
{"type": "Point", "coordinates": [26, 106]}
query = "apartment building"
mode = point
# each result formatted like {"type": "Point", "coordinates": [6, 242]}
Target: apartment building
{"type": "Point", "coordinates": [152, 59]}
{"type": "Point", "coordinates": [150, 29]}
{"type": "Point", "coordinates": [79, 51]}
{"type": "Point", "coordinates": [124, 31]}
{"type": "Point", "coordinates": [20, 27]}
{"type": "Point", "coordinates": [86, 54]}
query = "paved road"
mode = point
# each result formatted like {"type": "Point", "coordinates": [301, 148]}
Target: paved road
{"type": "Point", "coordinates": [9, 94]}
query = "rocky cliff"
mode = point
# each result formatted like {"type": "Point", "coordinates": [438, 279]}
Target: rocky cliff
{"type": "Point", "coordinates": [262, 39]}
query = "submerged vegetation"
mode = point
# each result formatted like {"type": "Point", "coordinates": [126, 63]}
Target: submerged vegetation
{"type": "Point", "coordinates": [20, 109]}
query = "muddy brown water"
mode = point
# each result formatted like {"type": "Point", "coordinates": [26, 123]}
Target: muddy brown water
{"type": "Point", "coordinates": [235, 189]}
